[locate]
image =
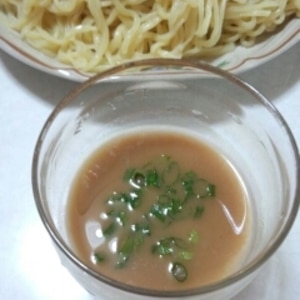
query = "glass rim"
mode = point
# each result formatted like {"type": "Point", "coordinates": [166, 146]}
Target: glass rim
{"type": "Point", "coordinates": [199, 66]}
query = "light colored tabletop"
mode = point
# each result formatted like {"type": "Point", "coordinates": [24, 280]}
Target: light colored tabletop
{"type": "Point", "coordinates": [29, 267]}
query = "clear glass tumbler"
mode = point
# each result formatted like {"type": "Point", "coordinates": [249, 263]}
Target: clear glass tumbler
{"type": "Point", "coordinates": [202, 100]}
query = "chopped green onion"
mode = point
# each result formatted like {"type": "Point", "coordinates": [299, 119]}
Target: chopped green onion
{"type": "Point", "coordinates": [139, 179]}
{"type": "Point", "coordinates": [179, 271]}
{"type": "Point", "coordinates": [188, 181]}
{"type": "Point", "coordinates": [168, 246]}
{"type": "Point", "coordinates": [134, 199]}
{"type": "Point", "coordinates": [143, 228]}
{"type": "Point", "coordinates": [110, 229]}
{"type": "Point", "coordinates": [125, 252]}
{"type": "Point", "coordinates": [120, 216]}
{"type": "Point", "coordinates": [186, 255]}
{"type": "Point", "coordinates": [176, 195]}
{"type": "Point", "coordinates": [204, 189]}
{"type": "Point", "coordinates": [166, 207]}
{"type": "Point", "coordinates": [164, 247]}
{"type": "Point", "coordinates": [158, 211]}
{"type": "Point", "coordinates": [199, 210]}
{"type": "Point", "coordinates": [211, 190]}
{"type": "Point", "coordinates": [135, 178]}
{"type": "Point", "coordinates": [152, 178]}
{"type": "Point", "coordinates": [193, 237]}
{"type": "Point", "coordinates": [131, 244]}
{"type": "Point", "coordinates": [98, 258]}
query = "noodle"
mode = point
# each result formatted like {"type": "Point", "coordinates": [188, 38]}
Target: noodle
{"type": "Point", "coordinates": [92, 35]}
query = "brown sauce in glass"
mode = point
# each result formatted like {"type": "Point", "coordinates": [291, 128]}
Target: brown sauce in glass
{"type": "Point", "coordinates": [223, 229]}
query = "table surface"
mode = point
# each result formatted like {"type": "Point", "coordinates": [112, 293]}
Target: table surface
{"type": "Point", "coordinates": [29, 266]}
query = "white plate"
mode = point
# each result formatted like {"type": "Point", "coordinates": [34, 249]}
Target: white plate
{"type": "Point", "coordinates": [240, 60]}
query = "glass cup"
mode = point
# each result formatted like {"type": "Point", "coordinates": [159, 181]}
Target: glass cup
{"type": "Point", "coordinates": [204, 101]}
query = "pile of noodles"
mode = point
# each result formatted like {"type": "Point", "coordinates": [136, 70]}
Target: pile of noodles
{"type": "Point", "coordinates": [91, 35]}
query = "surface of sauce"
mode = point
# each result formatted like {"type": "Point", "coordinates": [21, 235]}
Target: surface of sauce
{"type": "Point", "coordinates": [221, 233]}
